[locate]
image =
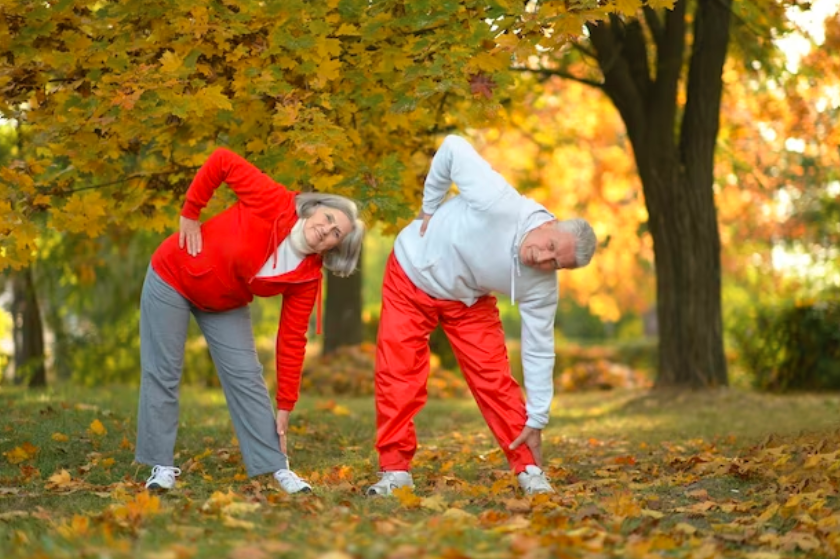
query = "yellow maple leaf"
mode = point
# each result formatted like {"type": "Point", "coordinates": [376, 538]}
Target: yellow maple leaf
{"type": "Point", "coordinates": [212, 97]}
{"type": "Point", "coordinates": [97, 428]}
{"type": "Point", "coordinates": [328, 69]}
{"type": "Point", "coordinates": [328, 47]}
{"type": "Point", "coordinates": [489, 62]}
{"type": "Point", "coordinates": [407, 498]}
{"type": "Point", "coordinates": [83, 212]}
{"type": "Point", "coordinates": [348, 29]}
{"type": "Point", "coordinates": [60, 437]}
{"type": "Point", "coordinates": [41, 200]}
{"type": "Point", "coordinates": [170, 62]}
{"type": "Point", "coordinates": [59, 480]}
{"type": "Point", "coordinates": [256, 145]}
{"type": "Point", "coordinates": [656, 4]}
{"type": "Point", "coordinates": [21, 453]}
{"type": "Point", "coordinates": [628, 7]}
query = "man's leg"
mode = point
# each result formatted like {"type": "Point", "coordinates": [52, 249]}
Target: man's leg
{"type": "Point", "coordinates": [407, 319]}
{"type": "Point", "coordinates": [231, 341]}
{"type": "Point", "coordinates": [478, 342]}
{"type": "Point", "coordinates": [164, 317]}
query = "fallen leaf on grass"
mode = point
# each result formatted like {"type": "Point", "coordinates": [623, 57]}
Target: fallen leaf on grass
{"type": "Point", "coordinates": [60, 437]}
{"type": "Point", "coordinates": [12, 514]}
{"type": "Point", "coordinates": [407, 498]}
{"type": "Point", "coordinates": [518, 505]}
{"type": "Point", "coordinates": [77, 527]}
{"type": "Point", "coordinates": [22, 453]}
{"type": "Point", "coordinates": [97, 428]}
{"type": "Point", "coordinates": [62, 480]}
{"type": "Point", "coordinates": [515, 524]}
{"type": "Point", "coordinates": [435, 503]}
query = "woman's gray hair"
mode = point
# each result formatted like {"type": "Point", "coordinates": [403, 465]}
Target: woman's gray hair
{"type": "Point", "coordinates": [344, 257]}
{"type": "Point", "coordinates": [585, 240]}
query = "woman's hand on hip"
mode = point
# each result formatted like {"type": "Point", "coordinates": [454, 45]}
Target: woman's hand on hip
{"type": "Point", "coordinates": [190, 234]}
{"type": "Point", "coordinates": [283, 428]}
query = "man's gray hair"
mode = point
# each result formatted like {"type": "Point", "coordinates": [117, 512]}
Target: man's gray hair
{"type": "Point", "coordinates": [344, 257]}
{"type": "Point", "coordinates": [585, 240]}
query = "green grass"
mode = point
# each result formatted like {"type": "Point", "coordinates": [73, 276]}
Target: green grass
{"type": "Point", "coordinates": [638, 474]}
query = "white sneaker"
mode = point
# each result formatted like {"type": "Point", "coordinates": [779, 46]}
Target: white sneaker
{"type": "Point", "coordinates": [163, 477]}
{"type": "Point", "coordinates": [291, 483]}
{"type": "Point", "coordinates": [533, 481]}
{"type": "Point", "coordinates": [389, 482]}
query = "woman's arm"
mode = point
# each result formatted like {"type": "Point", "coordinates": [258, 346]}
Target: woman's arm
{"type": "Point", "coordinates": [298, 302]}
{"type": "Point", "coordinates": [254, 188]}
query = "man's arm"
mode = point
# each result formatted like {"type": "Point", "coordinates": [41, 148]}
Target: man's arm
{"type": "Point", "coordinates": [457, 161]}
{"type": "Point", "coordinates": [537, 340]}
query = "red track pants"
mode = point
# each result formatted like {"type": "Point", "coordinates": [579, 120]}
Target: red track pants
{"type": "Point", "coordinates": [402, 367]}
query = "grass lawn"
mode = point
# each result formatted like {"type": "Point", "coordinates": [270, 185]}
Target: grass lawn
{"type": "Point", "coordinates": [638, 474]}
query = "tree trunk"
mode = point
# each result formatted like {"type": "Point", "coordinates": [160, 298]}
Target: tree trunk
{"type": "Point", "coordinates": [343, 316]}
{"type": "Point", "coordinates": [28, 331]}
{"type": "Point", "coordinates": [677, 175]}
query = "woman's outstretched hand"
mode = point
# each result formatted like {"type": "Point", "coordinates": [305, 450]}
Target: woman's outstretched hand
{"type": "Point", "coordinates": [190, 234]}
{"type": "Point", "coordinates": [283, 429]}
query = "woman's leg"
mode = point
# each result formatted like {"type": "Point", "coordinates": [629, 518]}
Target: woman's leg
{"type": "Point", "coordinates": [231, 341]}
{"type": "Point", "coordinates": [164, 317]}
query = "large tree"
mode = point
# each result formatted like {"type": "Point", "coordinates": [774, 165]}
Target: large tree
{"type": "Point", "coordinates": [663, 72]}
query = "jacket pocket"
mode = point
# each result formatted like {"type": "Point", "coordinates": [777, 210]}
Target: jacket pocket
{"type": "Point", "coordinates": [209, 291]}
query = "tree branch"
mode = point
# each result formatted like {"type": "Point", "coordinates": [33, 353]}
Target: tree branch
{"type": "Point", "coordinates": [561, 74]}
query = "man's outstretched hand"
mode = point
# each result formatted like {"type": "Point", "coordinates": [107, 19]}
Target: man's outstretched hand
{"type": "Point", "coordinates": [533, 439]}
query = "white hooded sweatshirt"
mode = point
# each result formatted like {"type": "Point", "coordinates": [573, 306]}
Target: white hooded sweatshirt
{"type": "Point", "coordinates": [471, 248]}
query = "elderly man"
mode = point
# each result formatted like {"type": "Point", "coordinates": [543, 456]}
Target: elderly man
{"type": "Point", "coordinates": [444, 267]}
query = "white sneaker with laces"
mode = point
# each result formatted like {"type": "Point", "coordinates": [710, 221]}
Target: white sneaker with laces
{"type": "Point", "coordinates": [291, 483]}
{"type": "Point", "coordinates": [389, 482]}
{"type": "Point", "coordinates": [533, 481]}
{"type": "Point", "coordinates": [163, 477]}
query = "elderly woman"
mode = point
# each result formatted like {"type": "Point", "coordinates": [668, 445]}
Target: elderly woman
{"type": "Point", "coordinates": [270, 242]}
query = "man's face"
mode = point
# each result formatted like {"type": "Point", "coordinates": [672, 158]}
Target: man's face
{"type": "Point", "coordinates": [546, 248]}
{"type": "Point", "coordinates": [325, 228]}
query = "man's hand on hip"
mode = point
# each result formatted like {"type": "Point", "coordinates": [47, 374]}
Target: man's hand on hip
{"type": "Point", "coordinates": [533, 439]}
{"type": "Point", "coordinates": [425, 217]}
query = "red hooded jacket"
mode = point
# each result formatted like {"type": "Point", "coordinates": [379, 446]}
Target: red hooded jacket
{"type": "Point", "coordinates": [236, 245]}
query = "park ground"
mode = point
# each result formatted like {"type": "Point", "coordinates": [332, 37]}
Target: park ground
{"type": "Point", "coordinates": [639, 474]}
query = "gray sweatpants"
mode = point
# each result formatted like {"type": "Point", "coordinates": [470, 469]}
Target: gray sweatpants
{"type": "Point", "coordinates": [164, 317]}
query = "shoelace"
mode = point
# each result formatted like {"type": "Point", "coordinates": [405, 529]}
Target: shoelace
{"type": "Point", "coordinates": [164, 471]}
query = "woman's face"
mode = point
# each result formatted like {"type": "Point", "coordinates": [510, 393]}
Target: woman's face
{"type": "Point", "coordinates": [325, 228]}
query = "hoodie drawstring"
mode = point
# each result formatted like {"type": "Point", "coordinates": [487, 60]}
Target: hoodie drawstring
{"type": "Point", "coordinates": [514, 271]}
